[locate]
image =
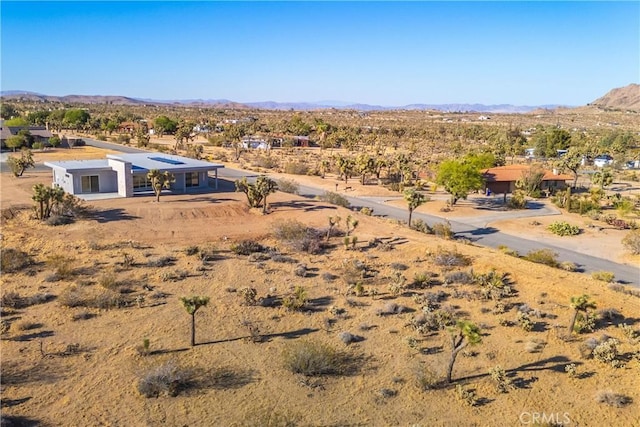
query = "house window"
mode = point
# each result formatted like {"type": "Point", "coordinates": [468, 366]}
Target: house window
{"type": "Point", "coordinates": [141, 183]}
{"type": "Point", "coordinates": [192, 179]}
{"type": "Point", "coordinates": [90, 184]}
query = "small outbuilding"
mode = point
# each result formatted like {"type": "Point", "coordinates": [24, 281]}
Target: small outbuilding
{"type": "Point", "coordinates": [124, 175]}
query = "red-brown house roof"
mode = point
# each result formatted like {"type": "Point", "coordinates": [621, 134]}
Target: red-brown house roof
{"type": "Point", "coordinates": [515, 172]}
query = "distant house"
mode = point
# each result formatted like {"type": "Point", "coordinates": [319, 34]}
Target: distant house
{"type": "Point", "coordinates": [603, 160]}
{"type": "Point", "coordinates": [40, 133]}
{"type": "Point", "coordinates": [124, 175]}
{"type": "Point", "coordinates": [502, 179]}
{"type": "Point", "coordinates": [301, 141]}
{"type": "Point", "coordinates": [255, 143]}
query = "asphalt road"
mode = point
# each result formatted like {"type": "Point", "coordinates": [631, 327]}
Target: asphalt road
{"type": "Point", "coordinates": [478, 235]}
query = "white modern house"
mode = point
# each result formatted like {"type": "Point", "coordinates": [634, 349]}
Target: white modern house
{"type": "Point", "coordinates": [124, 175]}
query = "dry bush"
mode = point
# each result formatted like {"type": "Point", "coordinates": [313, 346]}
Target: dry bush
{"type": "Point", "coordinates": [162, 261]}
{"type": "Point", "coordinates": [298, 236]}
{"type": "Point", "coordinates": [502, 382]}
{"type": "Point", "coordinates": [612, 399]}
{"type": "Point", "coordinates": [62, 265]}
{"type": "Point", "coordinates": [296, 168]}
{"type": "Point", "coordinates": [443, 230]}
{"type": "Point", "coordinates": [313, 358]}
{"type": "Point", "coordinates": [13, 299]}
{"type": "Point", "coordinates": [247, 247]}
{"type": "Point", "coordinates": [12, 260]}
{"type": "Point", "coordinates": [25, 325]}
{"type": "Point", "coordinates": [450, 258]}
{"type": "Point", "coordinates": [603, 276]}
{"type": "Point", "coordinates": [632, 241]}
{"type": "Point", "coordinates": [168, 379]}
{"type": "Point", "coordinates": [460, 277]}
{"type": "Point", "coordinates": [543, 256]}
{"type": "Point", "coordinates": [288, 186]}
{"type": "Point", "coordinates": [334, 199]}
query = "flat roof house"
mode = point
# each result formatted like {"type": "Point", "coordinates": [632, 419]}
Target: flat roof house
{"type": "Point", "coordinates": [124, 175]}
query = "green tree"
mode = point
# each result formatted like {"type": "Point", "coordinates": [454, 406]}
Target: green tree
{"type": "Point", "coordinates": [414, 200]}
{"type": "Point", "coordinates": [17, 122]}
{"type": "Point", "coordinates": [7, 111]}
{"type": "Point", "coordinates": [76, 118]}
{"type": "Point", "coordinates": [192, 305]}
{"type": "Point", "coordinates": [160, 180]}
{"type": "Point", "coordinates": [19, 164]}
{"type": "Point", "coordinates": [265, 186]}
{"type": "Point", "coordinates": [55, 141]}
{"type": "Point", "coordinates": [548, 142]}
{"type": "Point", "coordinates": [458, 179]}
{"type": "Point", "coordinates": [463, 334]}
{"type": "Point", "coordinates": [346, 166]}
{"type": "Point", "coordinates": [602, 178]}
{"type": "Point", "coordinates": [163, 125]}
{"type": "Point", "coordinates": [579, 304]}
{"type": "Point", "coordinates": [14, 142]}
{"type": "Point", "coordinates": [184, 133]}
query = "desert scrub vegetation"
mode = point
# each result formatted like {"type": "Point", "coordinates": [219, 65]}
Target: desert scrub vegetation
{"type": "Point", "coordinates": [543, 256]}
{"type": "Point", "coordinates": [247, 247]}
{"type": "Point", "coordinates": [334, 199]}
{"type": "Point", "coordinates": [14, 300]}
{"type": "Point", "coordinates": [603, 276]}
{"type": "Point", "coordinates": [74, 296]}
{"type": "Point", "coordinates": [167, 379]}
{"type": "Point", "coordinates": [631, 241]}
{"type": "Point", "coordinates": [296, 300]}
{"type": "Point", "coordinates": [314, 358]}
{"type": "Point", "coordinates": [12, 260]}
{"type": "Point", "coordinates": [298, 236]}
{"type": "Point", "coordinates": [563, 228]}
{"type": "Point", "coordinates": [610, 398]}
{"type": "Point", "coordinates": [288, 186]}
{"type": "Point", "coordinates": [449, 258]}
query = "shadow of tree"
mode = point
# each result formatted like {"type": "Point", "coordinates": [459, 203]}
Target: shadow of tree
{"type": "Point", "coordinates": [111, 215]}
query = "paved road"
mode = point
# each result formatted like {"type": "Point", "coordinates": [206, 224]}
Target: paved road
{"type": "Point", "coordinates": [473, 229]}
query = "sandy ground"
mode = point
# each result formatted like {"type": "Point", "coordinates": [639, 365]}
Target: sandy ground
{"type": "Point", "coordinates": [244, 383]}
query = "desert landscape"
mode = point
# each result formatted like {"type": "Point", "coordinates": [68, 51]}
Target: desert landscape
{"type": "Point", "coordinates": [95, 331]}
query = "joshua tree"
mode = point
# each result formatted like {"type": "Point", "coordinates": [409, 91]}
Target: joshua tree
{"type": "Point", "coordinates": [465, 333]}
{"type": "Point", "coordinates": [257, 193]}
{"type": "Point", "coordinates": [602, 178]}
{"type": "Point", "coordinates": [19, 164]}
{"type": "Point", "coordinates": [46, 199]}
{"type": "Point", "coordinates": [352, 223]}
{"type": "Point", "coordinates": [333, 221]}
{"type": "Point", "coordinates": [160, 180]}
{"type": "Point", "coordinates": [265, 186]}
{"type": "Point", "coordinates": [414, 199]}
{"type": "Point", "coordinates": [580, 304]}
{"type": "Point", "coordinates": [192, 304]}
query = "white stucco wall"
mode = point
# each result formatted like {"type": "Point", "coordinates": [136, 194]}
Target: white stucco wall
{"type": "Point", "coordinates": [124, 181]}
{"type": "Point", "coordinates": [63, 180]}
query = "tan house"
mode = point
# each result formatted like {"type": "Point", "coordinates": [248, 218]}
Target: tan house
{"type": "Point", "coordinates": [502, 179]}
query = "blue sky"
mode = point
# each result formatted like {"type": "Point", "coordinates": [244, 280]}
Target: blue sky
{"type": "Point", "coordinates": [385, 53]}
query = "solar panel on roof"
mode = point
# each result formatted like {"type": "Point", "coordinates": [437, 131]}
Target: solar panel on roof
{"type": "Point", "coordinates": [165, 160]}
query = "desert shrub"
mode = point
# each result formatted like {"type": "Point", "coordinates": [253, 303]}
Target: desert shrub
{"type": "Point", "coordinates": [266, 162]}
{"type": "Point", "coordinates": [367, 211]}
{"type": "Point", "coordinates": [192, 250]}
{"type": "Point", "coordinates": [563, 228]}
{"type": "Point", "coordinates": [247, 247]}
{"type": "Point", "coordinates": [296, 300]}
{"type": "Point", "coordinates": [300, 270]}
{"type": "Point", "coordinates": [162, 261]}
{"type": "Point", "coordinates": [428, 380]}
{"type": "Point", "coordinates": [585, 323]}
{"type": "Point", "coordinates": [13, 299]}
{"type": "Point", "coordinates": [259, 257]}
{"type": "Point", "coordinates": [571, 370]}
{"type": "Point", "coordinates": [467, 396]}
{"type": "Point", "coordinates": [12, 260]}
{"type": "Point", "coordinates": [398, 266]}
{"type": "Point", "coordinates": [508, 251]}
{"type": "Point", "coordinates": [249, 295]}
{"type": "Point", "coordinates": [334, 199]}
{"type": "Point", "coordinates": [56, 220]}
{"type": "Point", "coordinates": [518, 200]}
{"type": "Point", "coordinates": [168, 379]}
{"type": "Point", "coordinates": [460, 277]}
{"type": "Point", "coordinates": [348, 337]}
{"type": "Point", "coordinates": [628, 331]}
{"type": "Point", "coordinates": [421, 280]}
{"type": "Point", "coordinates": [534, 346]}
{"type": "Point", "coordinates": [296, 168]}
{"type": "Point", "coordinates": [502, 382]}
{"type": "Point", "coordinates": [443, 230]}
{"type": "Point", "coordinates": [450, 258]}
{"type": "Point", "coordinates": [494, 285]}
{"type": "Point", "coordinates": [568, 266]}
{"type": "Point", "coordinates": [62, 266]}
{"type": "Point", "coordinates": [612, 399]}
{"type": "Point", "coordinates": [606, 351]}
{"type": "Point", "coordinates": [298, 236]}
{"type": "Point", "coordinates": [74, 297]}
{"type": "Point", "coordinates": [390, 308]}
{"type": "Point", "coordinates": [25, 325]}
{"type": "Point", "coordinates": [108, 281]}
{"type": "Point", "coordinates": [83, 315]}
{"type": "Point", "coordinates": [524, 321]}
{"type": "Point", "coordinates": [421, 226]}
{"type": "Point", "coordinates": [543, 256]}
{"type": "Point", "coordinates": [616, 287]}
{"type": "Point", "coordinates": [433, 320]}
{"type": "Point", "coordinates": [631, 242]}
{"type": "Point", "coordinates": [313, 358]}
{"type": "Point", "coordinates": [288, 186]}
{"type": "Point", "coordinates": [603, 276]}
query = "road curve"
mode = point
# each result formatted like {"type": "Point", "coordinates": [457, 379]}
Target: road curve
{"type": "Point", "coordinates": [482, 236]}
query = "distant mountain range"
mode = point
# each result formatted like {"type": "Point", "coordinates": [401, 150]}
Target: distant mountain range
{"type": "Point", "coordinates": [619, 98]}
